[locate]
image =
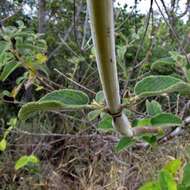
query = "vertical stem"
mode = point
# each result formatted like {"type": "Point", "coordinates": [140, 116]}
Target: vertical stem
{"type": "Point", "coordinates": [102, 27]}
{"type": "Point", "coordinates": [41, 16]}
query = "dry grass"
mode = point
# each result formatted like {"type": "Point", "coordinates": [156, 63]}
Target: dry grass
{"type": "Point", "coordinates": [89, 164]}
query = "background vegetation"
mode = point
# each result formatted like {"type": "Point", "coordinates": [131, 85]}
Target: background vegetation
{"type": "Point", "coordinates": [53, 50]}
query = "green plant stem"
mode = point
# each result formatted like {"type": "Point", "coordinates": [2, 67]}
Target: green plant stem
{"type": "Point", "coordinates": [102, 27]}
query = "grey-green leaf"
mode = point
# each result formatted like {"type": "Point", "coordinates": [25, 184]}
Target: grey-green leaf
{"type": "Point", "coordinates": [100, 97]}
{"type": "Point", "coordinates": [157, 85]}
{"type": "Point", "coordinates": [153, 108]}
{"type": "Point", "coordinates": [56, 100]}
{"type": "Point", "coordinates": [69, 97]}
{"type": "Point", "coordinates": [32, 107]}
{"type": "Point", "coordinates": [163, 65]}
{"type": "Point", "coordinates": [166, 120]}
{"type": "Point", "coordinates": [93, 114]}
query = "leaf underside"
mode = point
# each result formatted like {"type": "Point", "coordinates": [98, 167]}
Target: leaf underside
{"type": "Point", "coordinates": [56, 100]}
{"type": "Point", "coordinates": [157, 85]}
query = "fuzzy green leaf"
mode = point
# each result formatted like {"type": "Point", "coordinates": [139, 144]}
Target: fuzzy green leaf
{"type": "Point", "coordinates": [124, 143]}
{"type": "Point", "coordinates": [165, 120]}
{"type": "Point", "coordinates": [166, 181]}
{"type": "Point", "coordinates": [56, 100]}
{"type": "Point", "coordinates": [106, 124]}
{"type": "Point", "coordinates": [3, 144]}
{"type": "Point", "coordinates": [25, 160]}
{"type": "Point", "coordinates": [93, 114]}
{"type": "Point", "coordinates": [153, 108]}
{"type": "Point", "coordinates": [68, 97]}
{"type": "Point", "coordinates": [157, 85]}
{"type": "Point", "coordinates": [100, 97]}
{"type": "Point", "coordinates": [32, 107]}
{"type": "Point", "coordinates": [173, 166]}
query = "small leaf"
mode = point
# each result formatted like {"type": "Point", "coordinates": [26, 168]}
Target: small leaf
{"type": "Point", "coordinates": [106, 124]}
{"type": "Point", "coordinates": [25, 160]}
{"type": "Point", "coordinates": [124, 143]}
{"type": "Point", "coordinates": [173, 166]}
{"type": "Point", "coordinates": [100, 97]}
{"type": "Point", "coordinates": [166, 181]}
{"type": "Point", "coordinates": [152, 185]}
{"type": "Point", "coordinates": [165, 120]}
{"type": "Point", "coordinates": [151, 139]}
{"type": "Point", "coordinates": [93, 114]}
{"type": "Point", "coordinates": [186, 176]}
{"type": "Point", "coordinates": [3, 144]}
{"type": "Point", "coordinates": [157, 85]}
{"type": "Point", "coordinates": [153, 108]}
{"type": "Point", "coordinates": [41, 58]}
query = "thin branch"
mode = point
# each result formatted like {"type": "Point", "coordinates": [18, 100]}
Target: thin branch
{"type": "Point", "coordinates": [171, 28]}
{"type": "Point", "coordinates": [145, 32]}
{"type": "Point", "coordinates": [74, 82]}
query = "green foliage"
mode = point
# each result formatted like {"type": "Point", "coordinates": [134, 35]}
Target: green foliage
{"type": "Point", "coordinates": [180, 60]}
{"type": "Point", "coordinates": [93, 114]}
{"type": "Point", "coordinates": [12, 124]}
{"type": "Point", "coordinates": [8, 69]}
{"type": "Point", "coordinates": [166, 120]}
{"type": "Point", "coordinates": [125, 142]}
{"type": "Point", "coordinates": [3, 144]}
{"type": "Point", "coordinates": [100, 97]}
{"type": "Point", "coordinates": [157, 85]}
{"type": "Point", "coordinates": [141, 122]}
{"type": "Point", "coordinates": [106, 124]}
{"type": "Point", "coordinates": [159, 120]}
{"type": "Point", "coordinates": [153, 108]}
{"type": "Point", "coordinates": [56, 100]}
{"type": "Point", "coordinates": [186, 176]}
{"type": "Point", "coordinates": [167, 181]}
{"type": "Point", "coordinates": [150, 186]}
{"type": "Point", "coordinates": [32, 107]}
{"type": "Point", "coordinates": [173, 166]}
{"type": "Point", "coordinates": [167, 178]}
{"type": "Point", "coordinates": [21, 47]}
{"type": "Point", "coordinates": [163, 65]}
{"type": "Point", "coordinates": [26, 160]}
{"type": "Point", "coordinates": [69, 97]}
